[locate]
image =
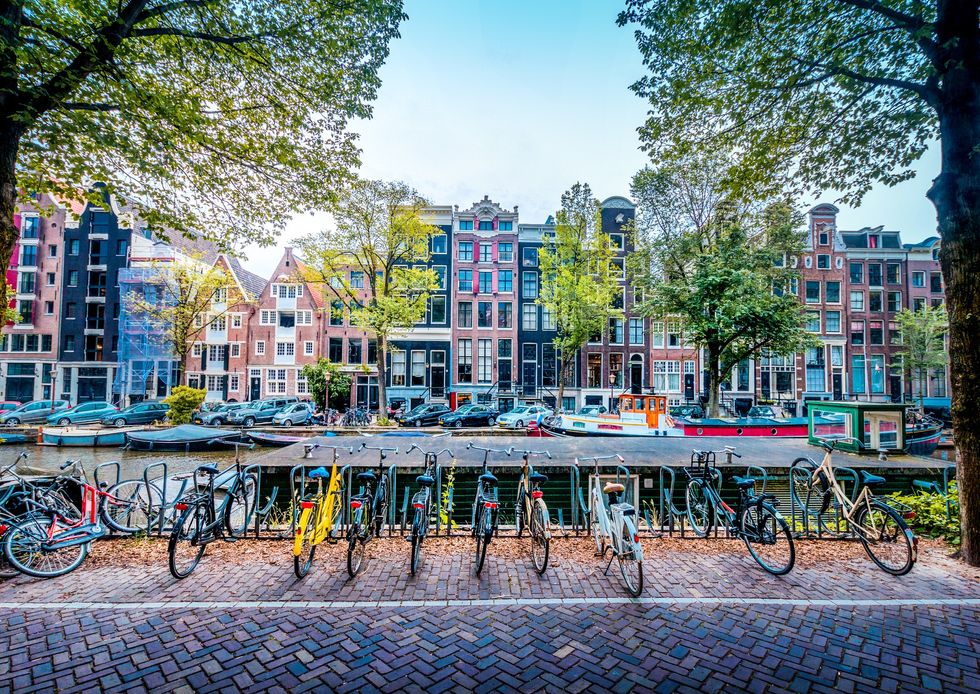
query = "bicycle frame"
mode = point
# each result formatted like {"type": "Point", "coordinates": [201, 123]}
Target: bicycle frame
{"type": "Point", "coordinates": [528, 493]}
{"type": "Point", "coordinates": [486, 494]}
{"type": "Point", "coordinates": [422, 499]}
{"type": "Point", "coordinates": [849, 508]}
{"type": "Point", "coordinates": [615, 517]}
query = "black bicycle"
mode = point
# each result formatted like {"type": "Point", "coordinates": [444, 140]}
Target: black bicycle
{"type": "Point", "coordinates": [486, 507]}
{"type": "Point", "coordinates": [202, 520]}
{"type": "Point", "coordinates": [369, 510]}
{"type": "Point", "coordinates": [532, 513]}
{"type": "Point", "coordinates": [422, 502]}
{"type": "Point", "coordinates": [754, 520]}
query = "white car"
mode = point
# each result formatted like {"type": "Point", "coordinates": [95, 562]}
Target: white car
{"type": "Point", "coordinates": [521, 416]}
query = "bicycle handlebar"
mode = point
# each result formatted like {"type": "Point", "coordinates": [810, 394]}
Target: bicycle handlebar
{"type": "Point", "coordinates": [349, 449]}
{"type": "Point", "coordinates": [434, 454]}
{"type": "Point", "coordinates": [832, 441]}
{"type": "Point", "coordinates": [382, 449]}
{"type": "Point", "coordinates": [597, 458]}
{"type": "Point", "coordinates": [508, 451]}
{"type": "Point", "coordinates": [527, 454]}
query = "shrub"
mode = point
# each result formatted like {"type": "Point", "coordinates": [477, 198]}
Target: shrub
{"type": "Point", "coordinates": [930, 514]}
{"type": "Point", "coordinates": [183, 400]}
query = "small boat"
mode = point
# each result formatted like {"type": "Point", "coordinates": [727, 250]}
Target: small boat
{"type": "Point", "coordinates": [12, 439]}
{"type": "Point", "coordinates": [639, 415]}
{"type": "Point", "coordinates": [922, 434]}
{"type": "Point", "coordinates": [185, 437]}
{"type": "Point", "coordinates": [80, 436]}
{"type": "Point", "coordinates": [277, 440]}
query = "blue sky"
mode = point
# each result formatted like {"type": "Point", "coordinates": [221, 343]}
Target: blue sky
{"type": "Point", "coordinates": [519, 100]}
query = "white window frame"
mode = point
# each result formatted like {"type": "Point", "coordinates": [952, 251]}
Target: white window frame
{"type": "Point", "coordinates": [308, 348]}
{"type": "Point", "coordinates": [260, 348]}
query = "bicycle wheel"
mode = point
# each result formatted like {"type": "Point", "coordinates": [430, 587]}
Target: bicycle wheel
{"type": "Point", "coordinates": [356, 541]}
{"type": "Point", "coordinates": [304, 549]}
{"type": "Point", "coordinates": [483, 534]}
{"type": "Point", "coordinates": [540, 544]}
{"type": "Point", "coordinates": [886, 538]}
{"type": "Point", "coordinates": [185, 549]}
{"type": "Point", "coordinates": [808, 494]}
{"type": "Point", "coordinates": [700, 510]}
{"type": "Point", "coordinates": [240, 508]}
{"type": "Point", "coordinates": [381, 506]}
{"type": "Point", "coordinates": [597, 535]}
{"type": "Point", "coordinates": [630, 565]}
{"type": "Point", "coordinates": [25, 546]}
{"type": "Point", "coordinates": [768, 539]}
{"type": "Point", "coordinates": [519, 512]}
{"type": "Point", "coordinates": [132, 506]}
{"type": "Point", "coordinates": [417, 537]}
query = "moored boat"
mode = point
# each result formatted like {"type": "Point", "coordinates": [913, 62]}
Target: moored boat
{"type": "Point", "coordinates": [82, 436]}
{"type": "Point", "coordinates": [276, 440]}
{"type": "Point", "coordinates": [185, 437]}
{"type": "Point", "coordinates": [638, 415]}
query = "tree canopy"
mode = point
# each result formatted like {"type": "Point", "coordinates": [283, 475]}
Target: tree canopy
{"type": "Point", "coordinates": [923, 334]}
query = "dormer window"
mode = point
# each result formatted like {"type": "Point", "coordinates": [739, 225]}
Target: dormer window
{"type": "Point", "coordinates": [823, 238]}
{"type": "Point", "coordinates": [873, 241]}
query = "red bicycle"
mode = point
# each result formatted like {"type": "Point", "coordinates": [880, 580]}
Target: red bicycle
{"type": "Point", "coordinates": [52, 540]}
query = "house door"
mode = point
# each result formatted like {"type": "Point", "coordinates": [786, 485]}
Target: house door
{"type": "Point", "coordinates": [636, 375]}
{"type": "Point", "coordinates": [837, 381]}
{"type": "Point", "coordinates": [255, 388]}
{"type": "Point", "coordinates": [437, 374]}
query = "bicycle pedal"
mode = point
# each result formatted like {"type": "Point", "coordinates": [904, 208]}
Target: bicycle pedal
{"type": "Point", "coordinates": [230, 539]}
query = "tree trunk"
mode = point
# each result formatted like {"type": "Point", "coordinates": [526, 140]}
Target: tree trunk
{"type": "Point", "coordinates": [714, 383]}
{"type": "Point", "coordinates": [956, 195]}
{"type": "Point", "coordinates": [382, 378]}
{"type": "Point", "coordinates": [561, 384]}
{"type": "Point", "coordinates": [9, 145]}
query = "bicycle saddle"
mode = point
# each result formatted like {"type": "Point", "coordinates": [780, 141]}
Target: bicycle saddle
{"type": "Point", "coordinates": [489, 478]}
{"type": "Point", "coordinates": [425, 480]}
{"type": "Point", "coordinates": [319, 472]}
{"type": "Point", "coordinates": [868, 479]}
{"type": "Point", "coordinates": [538, 478]}
{"type": "Point", "coordinates": [208, 469]}
{"type": "Point", "coordinates": [366, 476]}
{"type": "Point", "coordinates": [744, 482]}
{"type": "Point", "coordinates": [613, 488]}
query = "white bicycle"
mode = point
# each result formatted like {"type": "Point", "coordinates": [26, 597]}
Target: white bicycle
{"type": "Point", "coordinates": [613, 526]}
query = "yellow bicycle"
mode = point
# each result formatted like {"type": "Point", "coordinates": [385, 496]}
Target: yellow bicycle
{"type": "Point", "coordinates": [318, 514]}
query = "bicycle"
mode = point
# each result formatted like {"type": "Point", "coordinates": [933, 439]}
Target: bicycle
{"type": "Point", "coordinates": [886, 537]}
{"type": "Point", "coordinates": [422, 502]}
{"type": "Point", "coordinates": [754, 520]}
{"type": "Point", "coordinates": [318, 513]}
{"type": "Point", "coordinates": [202, 521]}
{"type": "Point", "coordinates": [485, 506]}
{"type": "Point", "coordinates": [615, 525]}
{"type": "Point", "coordinates": [368, 510]}
{"type": "Point", "coordinates": [530, 505]}
{"type": "Point", "coordinates": [53, 537]}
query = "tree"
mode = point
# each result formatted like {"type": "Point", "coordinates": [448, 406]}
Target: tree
{"type": "Point", "coordinates": [381, 239]}
{"type": "Point", "coordinates": [837, 94]}
{"type": "Point", "coordinates": [923, 335]}
{"type": "Point", "coordinates": [178, 301]}
{"type": "Point", "coordinates": [717, 267]}
{"type": "Point", "coordinates": [577, 284]}
{"type": "Point", "coordinates": [202, 114]}
{"type": "Point", "coordinates": [328, 385]}
{"type": "Point", "coordinates": [183, 402]}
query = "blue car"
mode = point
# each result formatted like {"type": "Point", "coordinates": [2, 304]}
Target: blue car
{"type": "Point", "coordinates": [83, 413]}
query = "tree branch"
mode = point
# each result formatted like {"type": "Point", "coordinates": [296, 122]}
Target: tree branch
{"type": "Point", "coordinates": [201, 35]}
{"type": "Point", "coordinates": [76, 106]}
{"type": "Point", "coordinates": [912, 23]}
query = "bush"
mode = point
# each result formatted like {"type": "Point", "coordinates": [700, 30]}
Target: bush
{"type": "Point", "coordinates": [930, 514]}
{"type": "Point", "coordinates": [183, 401]}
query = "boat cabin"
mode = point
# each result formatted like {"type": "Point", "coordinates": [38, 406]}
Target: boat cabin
{"type": "Point", "coordinates": [651, 409]}
{"type": "Point", "coordinates": [879, 426]}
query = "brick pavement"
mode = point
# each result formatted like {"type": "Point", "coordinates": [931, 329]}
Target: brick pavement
{"type": "Point", "coordinates": [919, 632]}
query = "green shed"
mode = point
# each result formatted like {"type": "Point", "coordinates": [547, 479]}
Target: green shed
{"type": "Point", "coordinates": [879, 426]}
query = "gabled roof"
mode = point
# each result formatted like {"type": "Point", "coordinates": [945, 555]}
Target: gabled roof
{"type": "Point", "coordinates": [250, 282]}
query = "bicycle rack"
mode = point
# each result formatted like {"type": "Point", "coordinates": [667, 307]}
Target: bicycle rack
{"type": "Point", "coordinates": [405, 508]}
{"type": "Point", "coordinates": [101, 484]}
{"type": "Point", "coordinates": [260, 513]}
{"type": "Point", "coordinates": [392, 479]}
{"type": "Point", "coordinates": [933, 487]}
{"type": "Point", "coordinates": [165, 505]}
{"type": "Point", "coordinates": [761, 473]}
{"type": "Point", "coordinates": [574, 488]}
{"type": "Point", "coordinates": [625, 481]}
{"type": "Point", "coordinates": [668, 510]}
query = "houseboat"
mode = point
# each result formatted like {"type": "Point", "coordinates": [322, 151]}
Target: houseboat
{"type": "Point", "coordinates": [638, 415]}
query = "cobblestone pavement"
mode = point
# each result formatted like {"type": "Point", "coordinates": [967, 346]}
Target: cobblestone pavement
{"type": "Point", "coordinates": [708, 620]}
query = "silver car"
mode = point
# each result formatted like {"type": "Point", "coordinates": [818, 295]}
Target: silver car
{"type": "Point", "coordinates": [37, 411]}
{"type": "Point", "coordinates": [521, 416]}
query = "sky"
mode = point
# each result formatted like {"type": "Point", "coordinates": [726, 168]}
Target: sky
{"type": "Point", "coordinates": [518, 100]}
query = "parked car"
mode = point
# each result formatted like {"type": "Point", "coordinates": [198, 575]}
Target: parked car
{"type": "Point", "coordinates": [145, 412]}
{"type": "Point", "coordinates": [424, 415]}
{"type": "Point", "coordinates": [8, 405]}
{"type": "Point", "coordinates": [217, 416]}
{"type": "Point", "coordinates": [31, 412]}
{"type": "Point", "coordinates": [470, 416]}
{"type": "Point", "coordinates": [297, 414]}
{"type": "Point", "coordinates": [521, 416]}
{"type": "Point", "coordinates": [396, 408]}
{"type": "Point", "coordinates": [593, 410]}
{"type": "Point", "coordinates": [83, 413]}
{"type": "Point", "coordinates": [260, 411]}
{"type": "Point", "coordinates": [762, 411]}
{"type": "Point", "coordinates": [687, 411]}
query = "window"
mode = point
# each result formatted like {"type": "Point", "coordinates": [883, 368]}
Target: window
{"type": "Point", "coordinates": [812, 292]}
{"type": "Point", "coordinates": [617, 269]}
{"type": "Point", "coordinates": [894, 301]}
{"type": "Point", "coordinates": [466, 225]}
{"type": "Point", "coordinates": [857, 332]}
{"type": "Point", "coordinates": [73, 247]}
{"type": "Point", "coordinates": [667, 376]}
{"type": "Point", "coordinates": [236, 349]}
{"type": "Point", "coordinates": [120, 246]}
{"type": "Point", "coordinates": [894, 334]}
{"type": "Point", "coordinates": [616, 241]}
{"type": "Point", "coordinates": [197, 349]}
{"type": "Point", "coordinates": [236, 320]}
{"type": "Point", "coordinates": [615, 331]}
{"type": "Point", "coordinates": [484, 314]}
{"type": "Point", "coordinates": [876, 370]}
{"type": "Point", "coordinates": [308, 348]}
{"type": "Point", "coordinates": [484, 372]}
{"type": "Point", "coordinates": [52, 251]}
{"type": "Point", "coordinates": [813, 321]}
{"type": "Point", "coordinates": [466, 280]}
{"type": "Point", "coordinates": [875, 333]}
{"type": "Point", "coordinates": [506, 226]}
{"type": "Point", "coordinates": [857, 374]}
{"type": "Point", "coordinates": [530, 285]}
{"type": "Point", "coordinates": [29, 227]}
{"type": "Point", "coordinates": [216, 352]}
{"type": "Point", "coordinates": [505, 280]}
{"type": "Point", "coordinates": [234, 383]}
{"type": "Point", "coordinates": [356, 279]}
{"type": "Point", "coordinates": [529, 257]}
{"type": "Point", "coordinates": [398, 368]}
{"type": "Point", "coordinates": [304, 318]}
{"type": "Point", "coordinates": [464, 314]}
{"type": "Point", "coordinates": [336, 312]}
{"type": "Point", "coordinates": [548, 321]}
{"type": "Point", "coordinates": [267, 317]}
{"type": "Point", "coordinates": [823, 238]}
{"type": "Point", "coordinates": [260, 348]}
{"type": "Point", "coordinates": [673, 335]}
{"type": "Point", "coordinates": [485, 226]}
{"type": "Point", "coordinates": [440, 271]}
{"type": "Point", "coordinates": [833, 292]}
{"type": "Point", "coordinates": [372, 357]}
{"type": "Point", "coordinates": [505, 252]}
{"type": "Point", "coordinates": [857, 273]}
{"type": "Point", "coordinates": [335, 350]}
{"type": "Point", "coordinates": [857, 301]}
{"type": "Point", "coordinates": [439, 244]}
{"type": "Point", "coordinates": [529, 316]}
{"type": "Point", "coordinates": [70, 309]}
{"type": "Point", "coordinates": [594, 371]}
{"type": "Point", "coordinates": [466, 251]}
{"type": "Point", "coordinates": [935, 282]}
{"type": "Point", "coordinates": [832, 321]}
{"type": "Point", "coordinates": [505, 315]}
{"type": "Point", "coordinates": [485, 252]}
{"type": "Point", "coordinates": [276, 381]}
{"type": "Point", "coordinates": [28, 256]}
{"type": "Point", "coordinates": [657, 331]}
{"type": "Point", "coordinates": [874, 274]}
{"type": "Point", "coordinates": [26, 284]}
{"type": "Point", "coordinates": [69, 343]}
{"type": "Point", "coordinates": [418, 368]}
{"type": "Point", "coordinates": [50, 279]}
{"type": "Point", "coordinates": [918, 279]}
{"type": "Point", "coordinates": [893, 273]}
{"type": "Point", "coordinates": [437, 311]}
{"type": "Point", "coordinates": [219, 324]}
{"type": "Point", "coordinates": [874, 301]}
{"type": "Point", "coordinates": [636, 331]}
{"type": "Point", "coordinates": [464, 356]}
{"type": "Point", "coordinates": [285, 349]}
{"type": "Point", "coordinates": [73, 278]}
{"type": "Point", "coordinates": [354, 351]}
{"type": "Point", "coordinates": [49, 308]}
{"type": "Point", "coordinates": [823, 262]}
{"type": "Point", "coordinates": [486, 282]}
